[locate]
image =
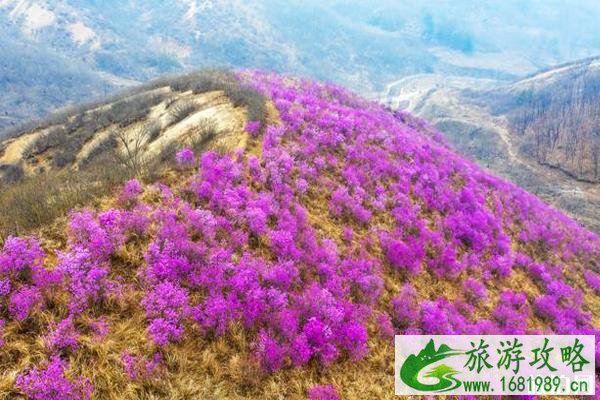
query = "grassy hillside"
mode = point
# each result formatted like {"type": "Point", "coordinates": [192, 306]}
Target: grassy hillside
{"type": "Point", "coordinates": [285, 261]}
{"type": "Point", "coordinates": [78, 154]}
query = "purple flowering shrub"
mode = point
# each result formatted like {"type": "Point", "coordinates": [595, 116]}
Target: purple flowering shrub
{"type": "Point", "coordinates": [512, 312]}
{"type": "Point", "coordinates": [185, 158]}
{"type": "Point", "coordinates": [130, 192]}
{"type": "Point", "coordinates": [323, 392]}
{"type": "Point", "coordinates": [475, 291]}
{"type": "Point", "coordinates": [139, 368]}
{"type": "Point", "coordinates": [166, 305]}
{"type": "Point", "coordinates": [352, 222]}
{"type": "Point", "coordinates": [100, 329]}
{"type": "Point", "coordinates": [253, 127]}
{"type": "Point", "coordinates": [63, 336]}
{"type": "Point", "coordinates": [24, 281]}
{"type": "Point", "coordinates": [51, 383]}
{"type": "Point", "coordinates": [593, 279]}
{"type": "Point", "coordinates": [405, 255]}
{"type": "Point", "coordinates": [406, 309]}
{"type": "Point", "coordinates": [24, 301]}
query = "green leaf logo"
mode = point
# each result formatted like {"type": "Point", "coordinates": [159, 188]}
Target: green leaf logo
{"type": "Point", "coordinates": [409, 373]}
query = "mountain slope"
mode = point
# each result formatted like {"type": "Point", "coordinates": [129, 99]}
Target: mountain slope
{"type": "Point", "coordinates": [539, 131]}
{"type": "Point", "coordinates": [555, 117]}
{"type": "Point", "coordinates": [289, 262]}
{"type": "Point", "coordinates": [35, 80]}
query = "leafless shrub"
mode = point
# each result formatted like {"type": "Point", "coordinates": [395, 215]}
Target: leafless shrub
{"type": "Point", "coordinates": [54, 137]}
{"type": "Point", "coordinates": [11, 173]}
{"type": "Point", "coordinates": [200, 81]}
{"type": "Point", "coordinates": [65, 154]}
{"type": "Point", "coordinates": [103, 146]}
{"type": "Point", "coordinates": [153, 130]}
{"type": "Point", "coordinates": [226, 81]}
{"type": "Point", "coordinates": [181, 110]}
{"type": "Point", "coordinates": [40, 199]}
{"type": "Point", "coordinates": [132, 144]}
{"type": "Point", "coordinates": [132, 109]}
{"type": "Point", "coordinates": [170, 101]}
{"type": "Point", "coordinates": [203, 133]}
{"type": "Point", "coordinates": [167, 153]}
{"type": "Point", "coordinates": [251, 99]}
{"type": "Point", "coordinates": [63, 158]}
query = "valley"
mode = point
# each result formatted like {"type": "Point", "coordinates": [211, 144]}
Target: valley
{"type": "Point", "coordinates": [476, 117]}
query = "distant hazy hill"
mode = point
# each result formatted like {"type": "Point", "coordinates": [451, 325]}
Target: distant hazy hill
{"type": "Point", "coordinates": [542, 131]}
{"type": "Point", "coordinates": [555, 117]}
{"type": "Point", "coordinates": [35, 79]}
{"type": "Point", "coordinates": [87, 47]}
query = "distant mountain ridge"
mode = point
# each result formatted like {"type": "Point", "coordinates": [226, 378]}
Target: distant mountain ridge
{"type": "Point", "coordinates": [109, 44]}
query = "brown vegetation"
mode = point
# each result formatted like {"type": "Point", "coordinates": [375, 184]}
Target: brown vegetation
{"type": "Point", "coordinates": [560, 124]}
{"type": "Point", "coordinates": [54, 174]}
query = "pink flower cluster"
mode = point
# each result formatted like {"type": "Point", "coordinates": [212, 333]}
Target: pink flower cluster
{"type": "Point", "coordinates": [131, 190]}
{"type": "Point", "coordinates": [323, 392]}
{"type": "Point", "coordinates": [63, 337]}
{"type": "Point", "coordinates": [139, 368]}
{"type": "Point", "coordinates": [23, 279]}
{"type": "Point", "coordinates": [240, 244]}
{"type": "Point", "coordinates": [51, 383]}
{"type": "Point", "coordinates": [185, 158]}
{"type": "Point", "coordinates": [253, 128]}
{"type": "Point", "coordinates": [166, 305]}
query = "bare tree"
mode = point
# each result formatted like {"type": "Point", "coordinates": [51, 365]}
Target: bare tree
{"type": "Point", "coordinates": [132, 144]}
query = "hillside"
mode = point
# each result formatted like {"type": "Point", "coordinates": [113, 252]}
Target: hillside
{"type": "Point", "coordinates": [539, 131]}
{"type": "Point", "coordinates": [61, 52]}
{"type": "Point", "coordinates": [135, 132]}
{"type": "Point", "coordinates": [35, 80]}
{"type": "Point", "coordinates": [555, 117]}
{"type": "Point", "coordinates": [283, 258]}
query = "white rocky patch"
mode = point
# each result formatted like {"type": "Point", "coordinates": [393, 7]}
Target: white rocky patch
{"type": "Point", "coordinates": [80, 33]}
{"type": "Point", "coordinates": [195, 6]}
{"type": "Point", "coordinates": [34, 14]}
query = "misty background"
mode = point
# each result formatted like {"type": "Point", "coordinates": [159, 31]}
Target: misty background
{"type": "Point", "coordinates": [59, 52]}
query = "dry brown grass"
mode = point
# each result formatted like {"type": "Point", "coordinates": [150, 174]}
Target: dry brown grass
{"type": "Point", "coordinates": [40, 199]}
